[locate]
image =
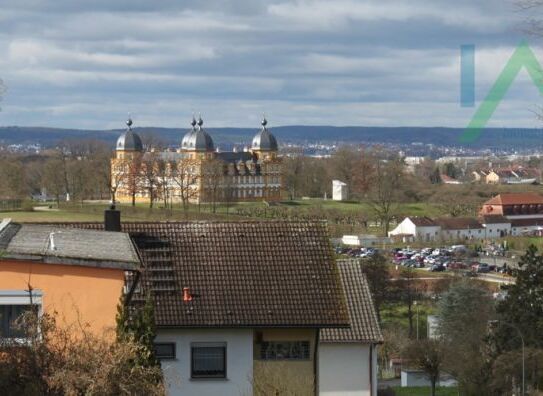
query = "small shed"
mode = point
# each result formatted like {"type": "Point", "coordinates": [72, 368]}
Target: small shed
{"type": "Point", "coordinates": [340, 191]}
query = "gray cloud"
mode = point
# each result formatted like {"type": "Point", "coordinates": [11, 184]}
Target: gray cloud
{"type": "Point", "coordinates": [346, 62]}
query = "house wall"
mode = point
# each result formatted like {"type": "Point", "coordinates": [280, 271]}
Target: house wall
{"type": "Point", "coordinates": [478, 233]}
{"type": "Point", "coordinates": [495, 230]}
{"type": "Point", "coordinates": [428, 233]}
{"type": "Point", "coordinates": [344, 369]}
{"type": "Point", "coordinates": [77, 294]}
{"type": "Point", "coordinates": [298, 375]}
{"type": "Point", "coordinates": [239, 362]}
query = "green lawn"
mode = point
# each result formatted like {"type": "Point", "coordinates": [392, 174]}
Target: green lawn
{"type": "Point", "coordinates": [394, 315]}
{"type": "Point", "coordinates": [425, 391]}
{"type": "Point", "coordinates": [259, 210]}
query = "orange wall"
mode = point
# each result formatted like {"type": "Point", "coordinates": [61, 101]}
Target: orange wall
{"type": "Point", "coordinates": [78, 294]}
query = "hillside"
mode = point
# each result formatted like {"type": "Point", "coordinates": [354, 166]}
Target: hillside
{"type": "Point", "coordinates": [493, 138]}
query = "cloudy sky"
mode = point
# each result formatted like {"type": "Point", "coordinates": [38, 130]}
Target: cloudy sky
{"type": "Point", "coordinates": [85, 64]}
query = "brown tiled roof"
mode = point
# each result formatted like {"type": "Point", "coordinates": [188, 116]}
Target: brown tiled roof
{"type": "Point", "coordinates": [494, 219]}
{"type": "Point", "coordinates": [364, 324]}
{"type": "Point", "coordinates": [515, 199]}
{"type": "Point", "coordinates": [422, 221]}
{"type": "Point", "coordinates": [458, 223]}
{"type": "Point", "coordinates": [241, 274]}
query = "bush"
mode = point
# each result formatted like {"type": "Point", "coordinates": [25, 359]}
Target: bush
{"type": "Point", "coordinates": [72, 361]}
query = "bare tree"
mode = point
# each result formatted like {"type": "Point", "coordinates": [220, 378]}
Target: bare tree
{"type": "Point", "coordinates": [385, 190]}
{"type": "Point", "coordinates": [185, 176]}
{"type": "Point", "coordinates": [149, 175]}
{"type": "Point", "coordinates": [53, 177]}
{"type": "Point", "coordinates": [214, 175]}
{"type": "Point", "coordinates": [428, 356]}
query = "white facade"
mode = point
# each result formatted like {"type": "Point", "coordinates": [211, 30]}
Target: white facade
{"type": "Point", "coordinates": [364, 240]}
{"type": "Point", "coordinates": [347, 369]}
{"type": "Point", "coordinates": [497, 230]}
{"type": "Point", "coordinates": [239, 362]}
{"type": "Point", "coordinates": [340, 190]}
{"type": "Point", "coordinates": [419, 378]}
{"type": "Point", "coordinates": [463, 233]}
{"type": "Point", "coordinates": [423, 233]}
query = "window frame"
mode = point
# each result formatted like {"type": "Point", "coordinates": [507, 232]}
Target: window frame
{"type": "Point", "coordinates": [170, 357]}
{"type": "Point", "coordinates": [261, 351]}
{"type": "Point", "coordinates": [21, 297]}
{"type": "Point", "coordinates": [222, 345]}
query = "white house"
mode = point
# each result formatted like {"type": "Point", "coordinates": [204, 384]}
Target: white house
{"type": "Point", "coordinates": [527, 227]}
{"type": "Point", "coordinates": [239, 305]}
{"type": "Point", "coordinates": [417, 228]}
{"type": "Point", "coordinates": [364, 240]}
{"type": "Point", "coordinates": [461, 228]}
{"type": "Point", "coordinates": [340, 190]}
{"type": "Point", "coordinates": [348, 357]}
{"type": "Point", "coordinates": [496, 226]}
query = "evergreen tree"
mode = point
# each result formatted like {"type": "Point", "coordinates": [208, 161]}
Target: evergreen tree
{"type": "Point", "coordinates": [464, 314]}
{"type": "Point", "coordinates": [435, 177]}
{"type": "Point", "coordinates": [138, 325]}
{"type": "Point", "coordinates": [523, 305]}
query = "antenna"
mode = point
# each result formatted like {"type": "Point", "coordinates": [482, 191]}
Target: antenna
{"type": "Point", "coordinates": [52, 241]}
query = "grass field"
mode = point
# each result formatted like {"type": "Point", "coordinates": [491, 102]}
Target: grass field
{"type": "Point", "coordinates": [395, 316]}
{"type": "Point", "coordinates": [312, 208]}
{"type": "Point", "coordinates": [425, 391]}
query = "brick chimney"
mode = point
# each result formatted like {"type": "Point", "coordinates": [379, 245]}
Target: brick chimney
{"type": "Point", "coordinates": [112, 219]}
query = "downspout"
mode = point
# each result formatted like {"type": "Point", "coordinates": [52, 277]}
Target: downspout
{"type": "Point", "coordinates": [316, 363]}
{"type": "Point", "coordinates": [133, 288]}
{"type": "Point", "coordinates": [371, 370]}
{"type": "Point", "coordinates": [138, 275]}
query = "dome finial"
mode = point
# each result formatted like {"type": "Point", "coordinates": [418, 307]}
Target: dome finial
{"type": "Point", "coordinates": [129, 122]}
{"type": "Point", "coordinates": [193, 122]}
{"type": "Point", "coordinates": [264, 121]}
{"type": "Point", "coordinates": [200, 121]}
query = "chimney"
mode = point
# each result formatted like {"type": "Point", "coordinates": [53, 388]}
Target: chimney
{"type": "Point", "coordinates": [187, 296]}
{"type": "Point", "coordinates": [112, 219]}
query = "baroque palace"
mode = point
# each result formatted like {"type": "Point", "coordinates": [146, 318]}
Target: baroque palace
{"type": "Point", "coordinates": [196, 172]}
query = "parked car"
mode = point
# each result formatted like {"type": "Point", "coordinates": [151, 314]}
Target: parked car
{"type": "Point", "coordinates": [483, 268]}
{"type": "Point", "coordinates": [456, 265]}
{"type": "Point", "coordinates": [437, 268]}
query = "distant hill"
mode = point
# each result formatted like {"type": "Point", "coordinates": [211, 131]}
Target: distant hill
{"type": "Point", "coordinates": [492, 138]}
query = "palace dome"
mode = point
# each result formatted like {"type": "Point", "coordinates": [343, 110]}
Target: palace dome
{"type": "Point", "coordinates": [129, 140]}
{"type": "Point", "coordinates": [197, 138]}
{"type": "Point", "coordinates": [264, 140]}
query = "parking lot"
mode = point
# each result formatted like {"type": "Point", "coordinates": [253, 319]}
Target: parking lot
{"type": "Point", "coordinates": [459, 258]}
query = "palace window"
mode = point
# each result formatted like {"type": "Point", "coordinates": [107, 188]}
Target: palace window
{"type": "Point", "coordinates": [208, 360]}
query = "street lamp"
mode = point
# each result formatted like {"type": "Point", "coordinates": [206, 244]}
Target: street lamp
{"type": "Point", "coordinates": [512, 326]}
{"type": "Point", "coordinates": [415, 303]}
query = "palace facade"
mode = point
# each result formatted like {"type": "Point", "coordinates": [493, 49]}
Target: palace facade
{"type": "Point", "coordinates": [196, 172]}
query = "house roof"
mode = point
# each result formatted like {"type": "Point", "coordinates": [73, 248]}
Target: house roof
{"type": "Point", "coordinates": [240, 274]}
{"type": "Point", "coordinates": [422, 221]}
{"type": "Point", "coordinates": [458, 223]}
{"type": "Point", "coordinates": [526, 222]}
{"type": "Point", "coordinates": [494, 219]}
{"type": "Point", "coordinates": [56, 245]}
{"type": "Point", "coordinates": [363, 317]}
{"type": "Point", "coordinates": [515, 199]}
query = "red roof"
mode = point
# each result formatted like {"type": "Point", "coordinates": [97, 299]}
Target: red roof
{"type": "Point", "coordinates": [515, 199]}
